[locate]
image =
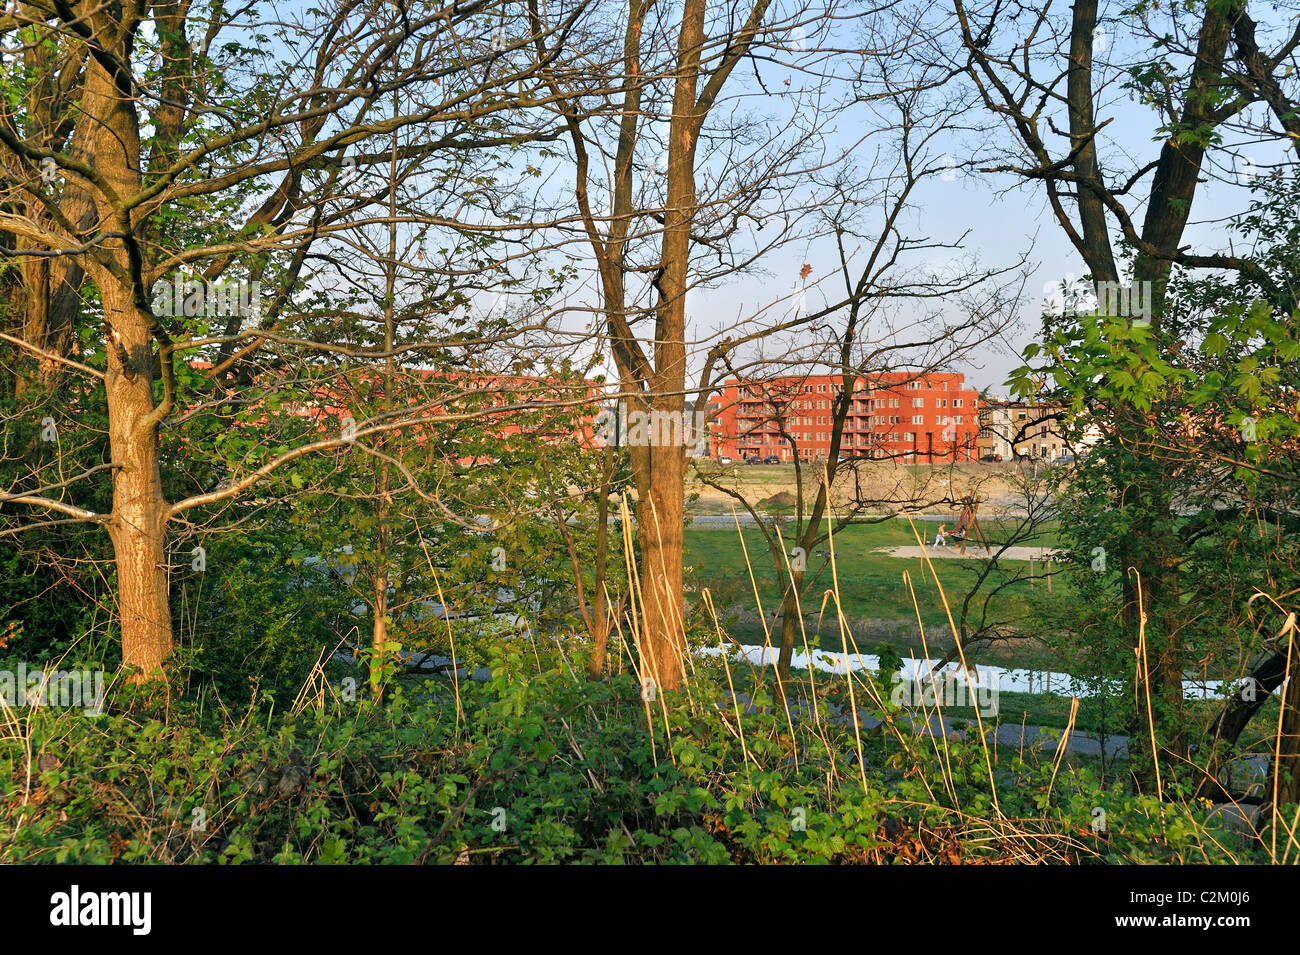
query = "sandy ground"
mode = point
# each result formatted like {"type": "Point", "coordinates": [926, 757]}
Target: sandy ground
{"type": "Point", "coordinates": [908, 487]}
{"type": "Point", "coordinates": [973, 549]}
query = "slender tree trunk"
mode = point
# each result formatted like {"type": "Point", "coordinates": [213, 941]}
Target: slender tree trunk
{"type": "Point", "coordinates": [600, 610]}
{"type": "Point", "coordinates": [383, 535]}
{"type": "Point", "coordinates": [789, 633]}
{"type": "Point", "coordinates": [1288, 768]}
{"type": "Point", "coordinates": [46, 291]}
{"type": "Point", "coordinates": [379, 630]}
{"type": "Point", "coordinates": [599, 634]}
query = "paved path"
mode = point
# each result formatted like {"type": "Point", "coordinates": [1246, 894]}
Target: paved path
{"type": "Point", "coordinates": [1011, 734]}
{"type": "Point", "coordinates": [973, 549]}
{"type": "Point", "coordinates": [964, 726]}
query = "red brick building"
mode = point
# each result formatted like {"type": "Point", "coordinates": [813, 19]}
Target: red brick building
{"type": "Point", "coordinates": [898, 415]}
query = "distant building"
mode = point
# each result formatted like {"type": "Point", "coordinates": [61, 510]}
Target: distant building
{"type": "Point", "coordinates": [893, 415]}
{"type": "Point", "coordinates": [1015, 430]}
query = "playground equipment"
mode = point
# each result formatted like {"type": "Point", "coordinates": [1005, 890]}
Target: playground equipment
{"type": "Point", "coordinates": [968, 522]}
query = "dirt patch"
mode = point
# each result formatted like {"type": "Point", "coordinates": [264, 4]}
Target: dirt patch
{"type": "Point", "coordinates": [973, 550]}
{"type": "Point", "coordinates": [911, 486]}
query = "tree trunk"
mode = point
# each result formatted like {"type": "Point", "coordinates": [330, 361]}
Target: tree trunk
{"type": "Point", "coordinates": [47, 291]}
{"type": "Point", "coordinates": [379, 630]}
{"type": "Point", "coordinates": [600, 610]}
{"type": "Point", "coordinates": [660, 510]}
{"type": "Point", "coordinates": [660, 516]}
{"type": "Point", "coordinates": [139, 515]}
{"type": "Point", "coordinates": [599, 634]}
{"type": "Point", "coordinates": [1288, 757]}
{"type": "Point", "coordinates": [789, 633]}
{"type": "Point", "coordinates": [1162, 680]}
{"type": "Point", "coordinates": [383, 533]}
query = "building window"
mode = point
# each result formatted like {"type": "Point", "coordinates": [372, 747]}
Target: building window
{"type": "Point", "coordinates": [918, 402]}
{"type": "Point", "coordinates": [918, 419]}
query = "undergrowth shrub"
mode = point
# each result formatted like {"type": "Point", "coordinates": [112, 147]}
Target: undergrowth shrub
{"type": "Point", "coordinates": [539, 767]}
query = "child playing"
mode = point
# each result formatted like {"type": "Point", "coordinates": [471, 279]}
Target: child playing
{"type": "Point", "coordinates": [940, 535]}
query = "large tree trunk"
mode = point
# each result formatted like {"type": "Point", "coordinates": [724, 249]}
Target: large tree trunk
{"type": "Point", "coordinates": [660, 516]}
{"type": "Point", "coordinates": [1153, 590]}
{"type": "Point", "coordinates": [140, 512]}
{"type": "Point", "coordinates": [1172, 191]}
{"type": "Point", "coordinates": [660, 510]}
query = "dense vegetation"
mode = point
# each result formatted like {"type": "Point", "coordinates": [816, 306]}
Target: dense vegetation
{"type": "Point", "coordinates": [544, 766]}
{"type": "Point", "coordinates": [309, 322]}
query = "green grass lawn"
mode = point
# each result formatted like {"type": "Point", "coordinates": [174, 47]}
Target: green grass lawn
{"type": "Point", "coordinates": [871, 585]}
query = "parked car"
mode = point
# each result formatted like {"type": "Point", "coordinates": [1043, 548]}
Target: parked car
{"type": "Point", "coordinates": [997, 458]}
{"type": "Point", "coordinates": [1065, 459]}
{"type": "Point", "coordinates": [771, 459]}
{"type": "Point", "coordinates": [724, 460]}
{"type": "Point", "coordinates": [754, 460]}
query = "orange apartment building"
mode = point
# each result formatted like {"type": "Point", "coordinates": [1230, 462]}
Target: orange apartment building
{"type": "Point", "coordinates": [894, 415]}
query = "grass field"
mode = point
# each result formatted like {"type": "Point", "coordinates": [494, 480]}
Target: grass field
{"type": "Point", "coordinates": [875, 599]}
